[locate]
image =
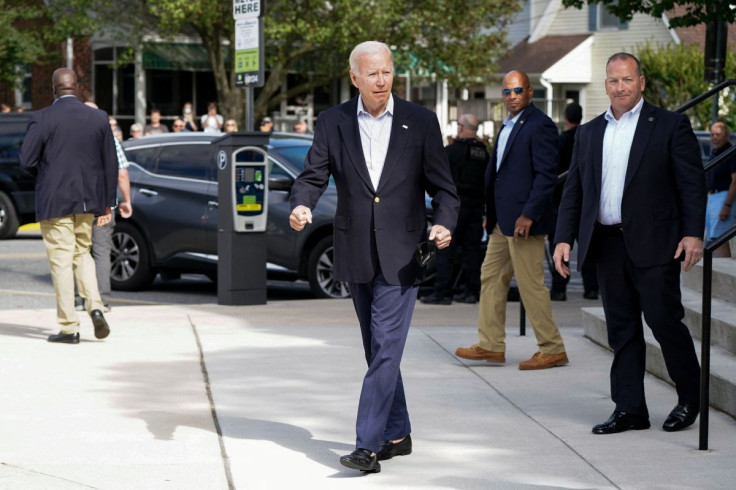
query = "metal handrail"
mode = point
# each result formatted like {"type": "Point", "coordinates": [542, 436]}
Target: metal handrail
{"type": "Point", "coordinates": [708, 250]}
{"type": "Point", "coordinates": [708, 279]}
{"type": "Point", "coordinates": [706, 95]}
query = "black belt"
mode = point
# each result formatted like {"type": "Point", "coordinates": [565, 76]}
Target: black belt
{"type": "Point", "coordinates": [617, 228]}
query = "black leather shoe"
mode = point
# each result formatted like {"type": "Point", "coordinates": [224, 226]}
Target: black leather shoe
{"type": "Point", "coordinates": [621, 422]}
{"type": "Point", "coordinates": [388, 449]}
{"type": "Point", "coordinates": [681, 416]}
{"type": "Point", "coordinates": [433, 299]}
{"type": "Point", "coordinates": [102, 330]}
{"type": "Point", "coordinates": [361, 459]}
{"type": "Point", "coordinates": [592, 294]}
{"type": "Point", "coordinates": [558, 295]}
{"type": "Point", "coordinates": [64, 338]}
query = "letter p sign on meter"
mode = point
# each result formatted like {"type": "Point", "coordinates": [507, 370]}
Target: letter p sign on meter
{"type": "Point", "coordinates": [250, 189]}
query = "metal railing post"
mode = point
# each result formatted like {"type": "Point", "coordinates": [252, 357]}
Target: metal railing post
{"type": "Point", "coordinates": [705, 349]}
{"type": "Point", "coordinates": [522, 318]}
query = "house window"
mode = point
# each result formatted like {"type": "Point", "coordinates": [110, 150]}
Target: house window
{"type": "Point", "coordinates": [600, 19]}
{"type": "Point", "coordinates": [23, 91]}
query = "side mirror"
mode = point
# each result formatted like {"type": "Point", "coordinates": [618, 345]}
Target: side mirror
{"type": "Point", "coordinates": [280, 183]}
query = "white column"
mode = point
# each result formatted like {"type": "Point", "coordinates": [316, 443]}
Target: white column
{"type": "Point", "coordinates": [140, 87]}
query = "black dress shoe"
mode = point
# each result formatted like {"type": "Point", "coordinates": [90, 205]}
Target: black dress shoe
{"type": "Point", "coordinates": [102, 330]}
{"type": "Point", "coordinates": [681, 416]}
{"type": "Point", "coordinates": [361, 459]}
{"type": "Point", "coordinates": [620, 422]}
{"type": "Point", "coordinates": [558, 295]}
{"type": "Point", "coordinates": [434, 299]}
{"type": "Point", "coordinates": [388, 449]}
{"type": "Point", "coordinates": [64, 338]}
{"type": "Point", "coordinates": [592, 294]}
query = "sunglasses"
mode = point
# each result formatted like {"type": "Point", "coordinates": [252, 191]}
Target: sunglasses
{"type": "Point", "coordinates": [517, 90]}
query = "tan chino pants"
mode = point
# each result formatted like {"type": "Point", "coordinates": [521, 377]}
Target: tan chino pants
{"type": "Point", "coordinates": [524, 258]}
{"type": "Point", "coordinates": [68, 240]}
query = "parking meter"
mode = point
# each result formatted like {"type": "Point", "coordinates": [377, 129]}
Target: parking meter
{"type": "Point", "coordinates": [250, 189]}
{"type": "Point", "coordinates": [242, 190]}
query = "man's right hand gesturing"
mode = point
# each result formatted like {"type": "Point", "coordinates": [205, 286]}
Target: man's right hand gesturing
{"type": "Point", "coordinates": [300, 216]}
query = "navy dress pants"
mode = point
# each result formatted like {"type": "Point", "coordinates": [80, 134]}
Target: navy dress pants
{"type": "Point", "coordinates": [384, 313]}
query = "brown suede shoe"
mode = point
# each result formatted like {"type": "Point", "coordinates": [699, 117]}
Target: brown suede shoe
{"type": "Point", "coordinates": [541, 360]}
{"type": "Point", "coordinates": [475, 353]}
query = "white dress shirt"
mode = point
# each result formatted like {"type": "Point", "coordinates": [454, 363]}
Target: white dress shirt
{"type": "Point", "coordinates": [375, 133]}
{"type": "Point", "coordinates": [503, 136]}
{"type": "Point", "coordinates": [616, 149]}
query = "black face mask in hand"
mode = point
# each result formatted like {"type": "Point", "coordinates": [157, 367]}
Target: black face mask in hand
{"type": "Point", "coordinates": [424, 253]}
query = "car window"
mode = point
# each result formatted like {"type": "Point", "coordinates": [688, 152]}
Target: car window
{"type": "Point", "coordinates": [294, 155]}
{"type": "Point", "coordinates": [188, 161]}
{"type": "Point", "coordinates": [144, 157]}
{"type": "Point", "coordinates": [11, 138]}
{"type": "Point", "coordinates": [276, 170]}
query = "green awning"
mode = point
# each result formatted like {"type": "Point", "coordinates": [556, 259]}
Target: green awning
{"type": "Point", "coordinates": [176, 56]}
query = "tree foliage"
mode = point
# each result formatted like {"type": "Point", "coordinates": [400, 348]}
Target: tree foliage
{"type": "Point", "coordinates": [696, 11]}
{"type": "Point", "coordinates": [19, 45]}
{"type": "Point", "coordinates": [675, 74]}
{"type": "Point", "coordinates": [455, 39]}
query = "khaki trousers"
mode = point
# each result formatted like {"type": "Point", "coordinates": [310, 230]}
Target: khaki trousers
{"type": "Point", "coordinates": [525, 258]}
{"type": "Point", "coordinates": [68, 240]}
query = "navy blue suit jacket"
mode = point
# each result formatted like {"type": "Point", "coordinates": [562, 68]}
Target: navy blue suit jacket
{"type": "Point", "coordinates": [69, 148]}
{"type": "Point", "coordinates": [383, 225]}
{"type": "Point", "coordinates": [526, 179]}
{"type": "Point", "coordinates": [664, 189]}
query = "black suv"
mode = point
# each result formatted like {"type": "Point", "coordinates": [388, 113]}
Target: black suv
{"type": "Point", "coordinates": [173, 229]}
{"type": "Point", "coordinates": [17, 187]}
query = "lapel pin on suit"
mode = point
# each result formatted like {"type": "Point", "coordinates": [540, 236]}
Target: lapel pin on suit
{"type": "Point", "coordinates": [521, 122]}
{"type": "Point", "coordinates": [651, 119]}
{"type": "Point", "coordinates": [405, 126]}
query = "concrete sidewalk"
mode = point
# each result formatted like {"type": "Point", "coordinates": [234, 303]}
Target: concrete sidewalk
{"type": "Point", "coordinates": [141, 409]}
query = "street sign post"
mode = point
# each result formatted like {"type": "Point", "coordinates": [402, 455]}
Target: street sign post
{"type": "Point", "coordinates": [250, 57]}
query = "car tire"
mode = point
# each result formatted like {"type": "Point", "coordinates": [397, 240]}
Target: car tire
{"type": "Point", "coordinates": [8, 217]}
{"type": "Point", "coordinates": [130, 259]}
{"type": "Point", "coordinates": [320, 272]}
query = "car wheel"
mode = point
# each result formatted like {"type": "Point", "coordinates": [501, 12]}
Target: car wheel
{"type": "Point", "coordinates": [8, 217]}
{"type": "Point", "coordinates": [320, 272]}
{"type": "Point", "coordinates": [130, 259]}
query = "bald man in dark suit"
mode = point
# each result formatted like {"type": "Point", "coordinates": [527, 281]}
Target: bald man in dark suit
{"type": "Point", "coordinates": [69, 148]}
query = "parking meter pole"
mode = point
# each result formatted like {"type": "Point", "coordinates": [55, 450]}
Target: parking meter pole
{"type": "Point", "coordinates": [242, 181]}
{"type": "Point", "coordinates": [249, 124]}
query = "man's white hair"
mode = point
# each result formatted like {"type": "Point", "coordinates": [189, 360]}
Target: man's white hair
{"type": "Point", "coordinates": [367, 47]}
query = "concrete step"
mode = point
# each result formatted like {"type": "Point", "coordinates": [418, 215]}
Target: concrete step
{"type": "Point", "coordinates": [722, 319]}
{"type": "Point", "coordinates": [724, 279]}
{"type": "Point", "coordinates": [722, 365]}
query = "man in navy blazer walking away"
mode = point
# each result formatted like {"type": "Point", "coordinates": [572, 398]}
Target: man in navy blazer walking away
{"type": "Point", "coordinates": [383, 153]}
{"type": "Point", "coordinates": [635, 202]}
{"type": "Point", "coordinates": [520, 181]}
{"type": "Point", "coordinates": [69, 148]}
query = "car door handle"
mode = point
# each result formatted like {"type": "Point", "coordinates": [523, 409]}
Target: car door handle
{"type": "Point", "coordinates": [148, 192]}
{"type": "Point", "coordinates": [213, 205]}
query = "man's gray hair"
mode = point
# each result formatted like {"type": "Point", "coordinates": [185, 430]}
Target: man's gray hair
{"type": "Point", "coordinates": [366, 48]}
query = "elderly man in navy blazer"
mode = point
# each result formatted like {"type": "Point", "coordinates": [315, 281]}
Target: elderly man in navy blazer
{"type": "Point", "coordinates": [69, 148]}
{"type": "Point", "coordinates": [635, 202]}
{"type": "Point", "coordinates": [520, 181]}
{"type": "Point", "coordinates": [383, 153]}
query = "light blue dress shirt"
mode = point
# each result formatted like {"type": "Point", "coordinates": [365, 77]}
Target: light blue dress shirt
{"type": "Point", "coordinates": [503, 136]}
{"type": "Point", "coordinates": [375, 133]}
{"type": "Point", "coordinates": [617, 142]}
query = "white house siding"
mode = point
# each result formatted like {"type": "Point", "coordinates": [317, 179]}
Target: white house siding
{"type": "Point", "coordinates": [642, 28]}
{"type": "Point", "coordinates": [569, 21]}
{"type": "Point", "coordinates": [519, 28]}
